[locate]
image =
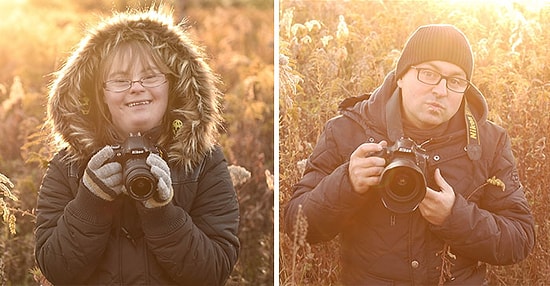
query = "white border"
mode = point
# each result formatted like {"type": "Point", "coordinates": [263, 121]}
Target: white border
{"type": "Point", "coordinates": [276, 144]}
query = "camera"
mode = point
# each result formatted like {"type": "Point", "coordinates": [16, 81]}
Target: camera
{"type": "Point", "coordinates": [136, 175]}
{"type": "Point", "coordinates": [402, 182]}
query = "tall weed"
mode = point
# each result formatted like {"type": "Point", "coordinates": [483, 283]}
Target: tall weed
{"type": "Point", "coordinates": [331, 50]}
{"type": "Point", "coordinates": [37, 36]}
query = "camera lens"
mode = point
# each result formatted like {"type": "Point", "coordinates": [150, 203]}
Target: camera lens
{"type": "Point", "coordinates": [138, 179]}
{"type": "Point", "coordinates": [140, 187]}
{"type": "Point", "coordinates": [403, 183]}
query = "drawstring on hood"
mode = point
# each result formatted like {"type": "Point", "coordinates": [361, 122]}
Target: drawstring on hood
{"type": "Point", "coordinates": [190, 125]}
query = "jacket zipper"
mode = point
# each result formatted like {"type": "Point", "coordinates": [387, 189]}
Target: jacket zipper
{"type": "Point", "coordinates": [128, 236]}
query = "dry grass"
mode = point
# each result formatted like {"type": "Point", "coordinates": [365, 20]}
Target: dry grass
{"type": "Point", "coordinates": [38, 35]}
{"type": "Point", "coordinates": [323, 62]}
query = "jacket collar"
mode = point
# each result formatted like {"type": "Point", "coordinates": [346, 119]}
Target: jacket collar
{"type": "Point", "coordinates": [382, 109]}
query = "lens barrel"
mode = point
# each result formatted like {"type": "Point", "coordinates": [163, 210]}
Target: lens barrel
{"type": "Point", "coordinates": [138, 179]}
{"type": "Point", "coordinates": [403, 185]}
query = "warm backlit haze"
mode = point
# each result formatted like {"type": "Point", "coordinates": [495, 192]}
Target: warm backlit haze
{"type": "Point", "coordinates": [332, 50]}
{"type": "Point", "coordinates": [36, 37]}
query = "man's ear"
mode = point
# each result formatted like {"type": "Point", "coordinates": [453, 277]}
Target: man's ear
{"type": "Point", "coordinates": [399, 80]}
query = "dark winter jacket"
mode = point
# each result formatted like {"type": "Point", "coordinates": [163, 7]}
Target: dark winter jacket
{"type": "Point", "coordinates": [82, 239]}
{"type": "Point", "coordinates": [488, 223]}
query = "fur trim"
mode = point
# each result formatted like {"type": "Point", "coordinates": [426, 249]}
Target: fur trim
{"type": "Point", "coordinates": [73, 109]}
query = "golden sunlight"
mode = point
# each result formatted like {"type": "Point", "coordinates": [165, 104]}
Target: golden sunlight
{"type": "Point", "coordinates": [4, 2]}
{"type": "Point", "coordinates": [528, 5]}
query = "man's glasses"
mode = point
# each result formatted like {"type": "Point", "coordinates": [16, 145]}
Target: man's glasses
{"type": "Point", "coordinates": [120, 85]}
{"type": "Point", "coordinates": [432, 77]}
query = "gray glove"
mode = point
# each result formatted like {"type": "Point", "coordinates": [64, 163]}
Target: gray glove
{"type": "Point", "coordinates": [161, 171]}
{"type": "Point", "coordinates": [103, 180]}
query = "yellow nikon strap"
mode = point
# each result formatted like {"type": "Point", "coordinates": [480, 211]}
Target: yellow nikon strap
{"type": "Point", "coordinates": [474, 144]}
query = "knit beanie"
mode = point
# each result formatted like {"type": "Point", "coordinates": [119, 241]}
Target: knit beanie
{"type": "Point", "coordinates": [437, 42]}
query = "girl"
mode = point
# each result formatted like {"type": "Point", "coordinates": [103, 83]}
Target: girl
{"type": "Point", "coordinates": [137, 75]}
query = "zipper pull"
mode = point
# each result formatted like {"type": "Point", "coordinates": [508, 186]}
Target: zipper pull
{"type": "Point", "coordinates": [128, 236]}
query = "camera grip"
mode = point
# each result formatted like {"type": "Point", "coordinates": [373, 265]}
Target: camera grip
{"type": "Point", "coordinates": [384, 154]}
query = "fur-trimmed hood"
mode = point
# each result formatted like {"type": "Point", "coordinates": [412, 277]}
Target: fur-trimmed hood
{"type": "Point", "coordinates": [190, 125]}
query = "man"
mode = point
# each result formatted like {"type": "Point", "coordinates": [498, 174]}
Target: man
{"type": "Point", "coordinates": [450, 200]}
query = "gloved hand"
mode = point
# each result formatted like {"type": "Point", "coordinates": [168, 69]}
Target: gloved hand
{"type": "Point", "coordinates": [161, 171]}
{"type": "Point", "coordinates": [103, 180]}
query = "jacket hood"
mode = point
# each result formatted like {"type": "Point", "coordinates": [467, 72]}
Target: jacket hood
{"type": "Point", "coordinates": [190, 125]}
{"type": "Point", "coordinates": [376, 113]}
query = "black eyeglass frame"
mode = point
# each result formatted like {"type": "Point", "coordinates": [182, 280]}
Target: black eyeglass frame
{"type": "Point", "coordinates": [441, 77]}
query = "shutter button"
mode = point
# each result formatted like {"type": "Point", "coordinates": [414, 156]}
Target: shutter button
{"type": "Point", "coordinates": [414, 264]}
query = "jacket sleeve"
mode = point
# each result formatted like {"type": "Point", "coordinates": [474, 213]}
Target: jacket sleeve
{"type": "Point", "coordinates": [324, 194]}
{"type": "Point", "coordinates": [199, 247]}
{"type": "Point", "coordinates": [71, 231]}
{"type": "Point", "coordinates": [499, 229]}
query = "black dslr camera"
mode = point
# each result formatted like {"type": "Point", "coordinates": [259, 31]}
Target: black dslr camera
{"type": "Point", "coordinates": [402, 183]}
{"type": "Point", "coordinates": [136, 175]}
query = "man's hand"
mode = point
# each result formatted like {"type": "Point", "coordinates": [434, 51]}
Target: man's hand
{"type": "Point", "coordinates": [436, 206]}
{"type": "Point", "coordinates": [364, 169]}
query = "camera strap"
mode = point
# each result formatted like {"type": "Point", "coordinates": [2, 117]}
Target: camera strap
{"type": "Point", "coordinates": [474, 144]}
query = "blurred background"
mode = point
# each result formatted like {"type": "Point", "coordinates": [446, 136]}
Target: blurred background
{"type": "Point", "coordinates": [36, 36]}
{"type": "Point", "coordinates": [332, 50]}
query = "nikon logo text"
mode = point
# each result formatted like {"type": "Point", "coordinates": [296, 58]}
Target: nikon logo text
{"type": "Point", "coordinates": [472, 129]}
